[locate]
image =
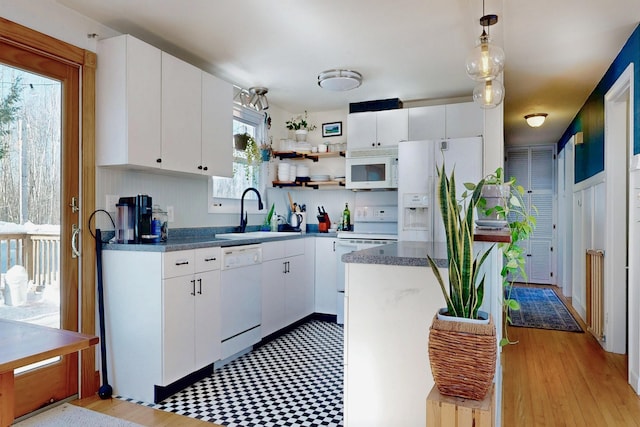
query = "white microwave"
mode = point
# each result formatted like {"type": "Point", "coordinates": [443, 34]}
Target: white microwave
{"type": "Point", "coordinates": [372, 169]}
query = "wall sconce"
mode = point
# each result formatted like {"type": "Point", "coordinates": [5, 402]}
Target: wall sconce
{"type": "Point", "coordinates": [535, 120]}
{"type": "Point", "coordinates": [578, 138]}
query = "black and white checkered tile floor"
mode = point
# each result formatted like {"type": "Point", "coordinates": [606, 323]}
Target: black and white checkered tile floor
{"type": "Point", "coordinates": [294, 380]}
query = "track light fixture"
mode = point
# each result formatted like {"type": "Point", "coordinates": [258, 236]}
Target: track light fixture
{"type": "Point", "coordinates": [254, 98]}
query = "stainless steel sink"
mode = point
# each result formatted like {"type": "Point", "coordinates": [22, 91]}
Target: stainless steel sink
{"type": "Point", "coordinates": [256, 235]}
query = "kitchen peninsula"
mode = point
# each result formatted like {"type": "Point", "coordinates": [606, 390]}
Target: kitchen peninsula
{"type": "Point", "coordinates": [391, 297]}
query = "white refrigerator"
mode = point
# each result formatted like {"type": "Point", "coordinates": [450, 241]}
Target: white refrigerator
{"type": "Point", "coordinates": [419, 216]}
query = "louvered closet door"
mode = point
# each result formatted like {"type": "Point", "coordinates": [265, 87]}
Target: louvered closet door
{"type": "Point", "coordinates": [534, 169]}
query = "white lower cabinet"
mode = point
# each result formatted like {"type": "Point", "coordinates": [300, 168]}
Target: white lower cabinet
{"type": "Point", "coordinates": [273, 316]}
{"type": "Point", "coordinates": [162, 315]}
{"type": "Point", "coordinates": [326, 275]}
{"type": "Point", "coordinates": [287, 288]}
{"type": "Point", "coordinates": [191, 316]}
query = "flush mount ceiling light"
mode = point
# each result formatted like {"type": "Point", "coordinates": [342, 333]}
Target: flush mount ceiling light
{"type": "Point", "coordinates": [339, 80]}
{"type": "Point", "coordinates": [535, 120]}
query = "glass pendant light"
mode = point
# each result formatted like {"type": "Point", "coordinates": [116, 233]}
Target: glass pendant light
{"type": "Point", "coordinates": [488, 94]}
{"type": "Point", "coordinates": [486, 61]}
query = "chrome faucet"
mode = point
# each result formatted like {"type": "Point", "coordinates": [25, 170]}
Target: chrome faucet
{"type": "Point", "coordinates": [243, 214]}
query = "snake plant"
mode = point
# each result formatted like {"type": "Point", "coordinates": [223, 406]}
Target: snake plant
{"type": "Point", "coordinates": [465, 290]}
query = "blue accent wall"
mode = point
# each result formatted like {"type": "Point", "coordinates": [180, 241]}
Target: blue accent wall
{"type": "Point", "coordinates": [589, 157]}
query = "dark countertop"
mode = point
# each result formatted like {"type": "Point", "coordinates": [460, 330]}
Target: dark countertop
{"type": "Point", "coordinates": [412, 254]}
{"type": "Point", "coordinates": [207, 240]}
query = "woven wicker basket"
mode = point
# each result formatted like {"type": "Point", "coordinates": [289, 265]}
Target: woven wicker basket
{"type": "Point", "coordinates": [463, 357]}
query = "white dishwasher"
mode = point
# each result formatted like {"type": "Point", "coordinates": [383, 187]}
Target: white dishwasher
{"type": "Point", "coordinates": [241, 298]}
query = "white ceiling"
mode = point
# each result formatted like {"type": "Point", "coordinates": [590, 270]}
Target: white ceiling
{"type": "Point", "coordinates": [556, 50]}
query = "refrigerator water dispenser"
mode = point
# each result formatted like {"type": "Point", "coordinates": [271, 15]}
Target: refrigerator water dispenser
{"type": "Point", "coordinates": [415, 207]}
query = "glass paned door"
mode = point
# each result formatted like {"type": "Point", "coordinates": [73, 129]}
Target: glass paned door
{"type": "Point", "coordinates": [30, 198]}
{"type": "Point", "coordinates": [39, 168]}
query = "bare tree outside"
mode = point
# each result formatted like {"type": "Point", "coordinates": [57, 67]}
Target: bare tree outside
{"type": "Point", "coordinates": [30, 162]}
{"type": "Point", "coordinates": [29, 148]}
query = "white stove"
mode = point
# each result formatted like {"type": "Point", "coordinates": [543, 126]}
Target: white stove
{"type": "Point", "coordinates": [352, 235]}
{"type": "Point", "coordinates": [373, 223]}
{"type": "Point", "coordinates": [372, 226]}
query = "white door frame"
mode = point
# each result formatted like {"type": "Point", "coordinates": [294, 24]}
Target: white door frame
{"type": "Point", "coordinates": [565, 212]}
{"type": "Point", "coordinates": [619, 151]}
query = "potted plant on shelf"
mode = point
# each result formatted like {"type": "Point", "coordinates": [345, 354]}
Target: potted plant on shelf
{"type": "Point", "coordinates": [301, 127]}
{"type": "Point", "coordinates": [462, 340]}
{"type": "Point", "coordinates": [502, 203]}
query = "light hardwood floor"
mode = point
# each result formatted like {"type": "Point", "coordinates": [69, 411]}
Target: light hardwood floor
{"type": "Point", "coordinates": [139, 414]}
{"type": "Point", "coordinates": [565, 379]}
{"type": "Point", "coordinates": [549, 379]}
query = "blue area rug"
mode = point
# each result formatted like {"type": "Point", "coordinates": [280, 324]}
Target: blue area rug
{"type": "Point", "coordinates": [542, 309]}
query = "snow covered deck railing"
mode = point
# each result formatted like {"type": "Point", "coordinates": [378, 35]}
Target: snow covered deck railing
{"type": "Point", "coordinates": [38, 253]}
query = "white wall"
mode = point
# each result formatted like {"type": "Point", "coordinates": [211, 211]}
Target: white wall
{"type": "Point", "coordinates": [55, 20]}
{"type": "Point", "coordinates": [588, 223]}
{"type": "Point", "coordinates": [634, 267]}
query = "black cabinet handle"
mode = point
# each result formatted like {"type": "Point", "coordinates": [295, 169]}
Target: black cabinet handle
{"type": "Point", "coordinates": [334, 246]}
{"type": "Point", "coordinates": [205, 168]}
{"type": "Point", "coordinates": [200, 167]}
{"type": "Point", "coordinates": [158, 160]}
{"type": "Point", "coordinates": [284, 265]}
{"type": "Point", "coordinates": [200, 286]}
{"type": "Point", "coordinates": [210, 259]}
{"type": "Point", "coordinates": [193, 286]}
{"type": "Point", "coordinates": [182, 263]}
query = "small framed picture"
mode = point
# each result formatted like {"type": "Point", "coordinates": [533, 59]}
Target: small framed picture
{"type": "Point", "coordinates": [331, 129]}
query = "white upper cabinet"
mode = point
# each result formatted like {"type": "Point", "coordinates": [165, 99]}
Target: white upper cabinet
{"type": "Point", "coordinates": [157, 111]}
{"type": "Point", "coordinates": [217, 126]}
{"type": "Point", "coordinates": [427, 123]}
{"type": "Point", "coordinates": [361, 130]}
{"type": "Point", "coordinates": [374, 129]}
{"type": "Point", "coordinates": [461, 120]}
{"type": "Point", "coordinates": [128, 103]}
{"type": "Point", "coordinates": [464, 120]}
{"type": "Point", "coordinates": [181, 115]}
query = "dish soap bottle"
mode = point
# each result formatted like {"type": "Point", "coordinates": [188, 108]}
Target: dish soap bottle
{"type": "Point", "coordinates": [346, 218]}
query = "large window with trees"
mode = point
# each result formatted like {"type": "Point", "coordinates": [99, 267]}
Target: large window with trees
{"type": "Point", "coordinates": [249, 132]}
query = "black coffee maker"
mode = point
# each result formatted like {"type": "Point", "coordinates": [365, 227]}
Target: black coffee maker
{"type": "Point", "coordinates": [134, 215]}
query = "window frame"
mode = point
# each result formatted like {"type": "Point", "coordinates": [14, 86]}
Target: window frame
{"type": "Point", "coordinates": [232, 205]}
